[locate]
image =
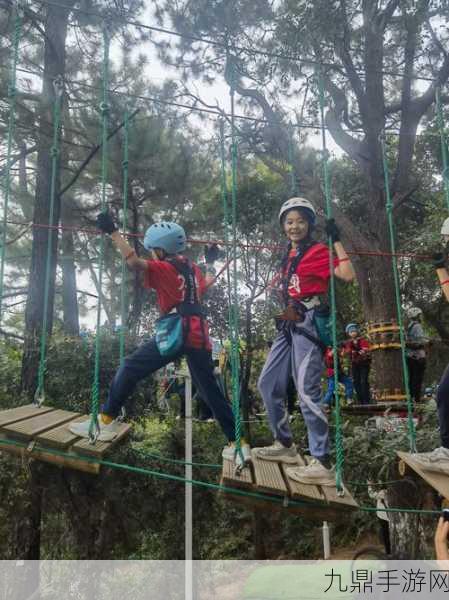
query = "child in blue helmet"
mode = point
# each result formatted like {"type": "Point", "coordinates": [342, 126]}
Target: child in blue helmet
{"type": "Point", "coordinates": [179, 286]}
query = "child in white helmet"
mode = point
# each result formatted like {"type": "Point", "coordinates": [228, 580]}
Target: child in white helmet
{"type": "Point", "coordinates": [179, 286]}
{"type": "Point", "coordinates": [298, 350]}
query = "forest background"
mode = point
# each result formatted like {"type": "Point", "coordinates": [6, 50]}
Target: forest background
{"type": "Point", "coordinates": [379, 64]}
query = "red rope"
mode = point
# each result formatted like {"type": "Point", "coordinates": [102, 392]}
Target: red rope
{"type": "Point", "coordinates": [90, 231]}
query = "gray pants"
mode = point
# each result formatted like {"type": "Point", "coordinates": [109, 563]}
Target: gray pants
{"type": "Point", "coordinates": [303, 360]}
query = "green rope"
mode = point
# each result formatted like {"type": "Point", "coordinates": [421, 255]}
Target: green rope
{"type": "Point", "coordinates": [235, 307]}
{"type": "Point", "coordinates": [125, 223]}
{"type": "Point", "coordinates": [339, 451]}
{"type": "Point", "coordinates": [285, 502]}
{"type": "Point", "coordinates": [12, 93]}
{"type": "Point", "coordinates": [104, 109]}
{"type": "Point", "coordinates": [226, 217]}
{"type": "Point", "coordinates": [444, 150]}
{"type": "Point", "coordinates": [291, 160]}
{"type": "Point", "coordinates": [39, 396]}
{"type": "Point", "coordinates": [397, 290]}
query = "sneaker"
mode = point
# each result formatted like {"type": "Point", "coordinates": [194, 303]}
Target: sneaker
{"type": "Point", "coordinates": [107, 432]}
{"type": "Point", "coordinates": [229, 453]}
{"type": "Point", "coordinates": [314, 473]}
{"type": "Point", "coordinates": [437, 460]}
{"type": "Point", "coordinates": [278, 452]}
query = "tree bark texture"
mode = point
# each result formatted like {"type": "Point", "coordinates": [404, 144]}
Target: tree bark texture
{"type": "Point", "coordinates": [54, 66]}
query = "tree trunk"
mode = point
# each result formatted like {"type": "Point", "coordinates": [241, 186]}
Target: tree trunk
{"type": "Point", "coordinates": [54, 66]}
{"type": "Point", "coordinates": [69, 295]}
{"type": "Point", "coordinates": [375, 278]}
{"type": "Point", "coordinates": [28, 533]}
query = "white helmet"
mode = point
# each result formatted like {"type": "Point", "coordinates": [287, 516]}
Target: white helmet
{"type": "Point", "coordinates": [445, 227]}
{"type": "Point", "coordinates": [414, 312]}
{"type": "Point", "coordinates": [302, 203]}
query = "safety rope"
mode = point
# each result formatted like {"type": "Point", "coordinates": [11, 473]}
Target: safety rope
{"type": "Point", "coordinates": [224, 199]}
{"type": "Point", "coordinates": [339, 451]}
{"type": "Point", "coordinates": [284, 502]}
{"type": "Point", "coordinates": [12, 94]}
{"type": "Point", "coordinates": [397, 291]}
{"type": "Point", "coordinates": [234, 324]}
{"type": "Point", "coordinates": [123, 295]}
{"type": "Point", "coordinates": [104, 111]}
{"type": "Point", "coordinates": [58, 86]}
{"type": "Point", "coordinates": [444, 149]}
{"type": "Point", "coordinates": [274, 247]}
{"type": "Point", "coordinates": [291, 160]}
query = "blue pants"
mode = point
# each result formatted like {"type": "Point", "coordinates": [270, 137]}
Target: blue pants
{"type": "Point", "coordinates": [346, 380]}
{"type": "Point", "coordinates": [147, 359]}
{"type": "Point", "coordinates": [303, 360]}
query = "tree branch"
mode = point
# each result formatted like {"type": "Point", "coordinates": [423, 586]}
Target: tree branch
{"type": "Point", "coordinates": [92, 153]}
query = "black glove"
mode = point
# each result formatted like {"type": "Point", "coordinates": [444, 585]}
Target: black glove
{"type": "Point", "coordinates": [211, 253]}
{"type": "Point", "coordinates": [105, 223]}
{"type": "Point", "coordinates": [439, 260]}
{"type": "Point", "coordinates": [332, 230]}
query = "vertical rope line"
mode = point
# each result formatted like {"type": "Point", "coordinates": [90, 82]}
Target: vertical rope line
{"type": "Point", "coordinates": [58, 85]}
{"type": "Point", "coordinates": [12, 93]}
{"type": "Point", "coordinates": [235, 307]}
{"type": "Point", "coordinates": [224, 198]}
{"type": "Point", "coordinates": [444, 158]}
{"type": "Point", "coordinates": [125, 164]}
{"type": "Point", "coordinates": [291, 159]}
{"type": "Point", "coordinates": [104, 110]}
{"type": "Point", "coordinates": [397, 290]}
{"type": "Point", "coordinates": [327, 194]}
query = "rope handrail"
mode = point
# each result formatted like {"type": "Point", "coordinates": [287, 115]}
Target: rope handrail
{"type": "Point", "coordinates": [12, 95]}
{"type": "Point", "coordinates": [284, 502]}
{"type": "Point", "coordinates": [397, 291]}
{"type": "Point", "coordinates": [333, 305]}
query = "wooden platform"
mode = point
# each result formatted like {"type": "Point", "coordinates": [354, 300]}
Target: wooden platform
{"type": "Point", "coordinates": [437, 481]}
{"type": "Point", "coordinates": [39, 432]}
{"type": "Point", "coordinates": [375, 408]}
{"type": "Point", "coordinates": [270, 478]}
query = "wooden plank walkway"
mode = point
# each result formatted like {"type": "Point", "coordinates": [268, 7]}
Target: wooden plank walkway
{"type": "Point", "coordinates": [270, 478]}
{"type": "Point", "coordinates": [375, 408]}
{"type": "Point", "coordinates": [437, 481]}
{"type": "Point", "coordinates": [45, 429]}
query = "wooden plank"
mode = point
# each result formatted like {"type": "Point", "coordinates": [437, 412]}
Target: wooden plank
{"type": "Point", "coordinates": [29, 428]}
{"type": "Point", "coordinates": [378, 408]}
{"type": "Point", "coordinates": [268, 476]}
{"type": "Point", "coordinates": [99, 449]}
{"type": "Point", "coordinates": [41, 454]}
{"type": "Point", "coordinates": [331, 496]}
{"type": "Point", "coordinates": [12, 415]}
{"type": "Point", "coordinates": [230, 479]}
{"type": "Point", "coordinates": [438, 481]}
{"type": "Point", "coordinates": [301, 491]}
{"type": "Point", "coordinates": [60, 437]}
{"type": "Point", "coordinates": [314, 513]}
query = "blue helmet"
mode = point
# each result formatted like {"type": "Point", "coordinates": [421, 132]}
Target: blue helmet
{"type": "Point", "coordinates": [171, 237]}
{"type": "Point", "coordinates": [351, 326]}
